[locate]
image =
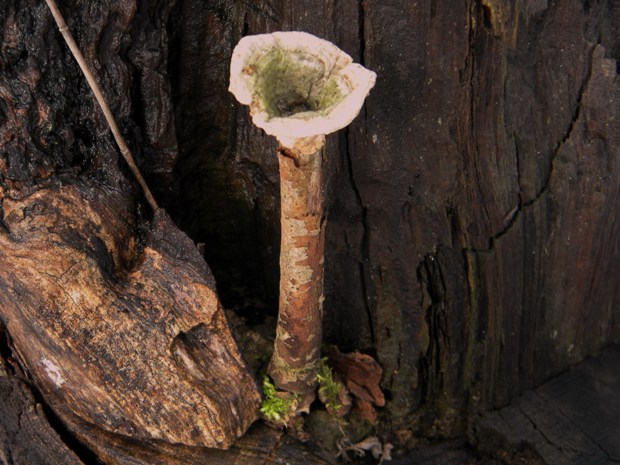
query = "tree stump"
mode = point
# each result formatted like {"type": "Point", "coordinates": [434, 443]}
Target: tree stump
{"type": "Point", "coordinates": [471, 245]}
{"type": "Point", "coordinates": [572, 419]}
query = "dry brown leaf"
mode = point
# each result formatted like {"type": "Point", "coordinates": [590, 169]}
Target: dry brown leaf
{"type": "Point", "coordinates": [361, 374]}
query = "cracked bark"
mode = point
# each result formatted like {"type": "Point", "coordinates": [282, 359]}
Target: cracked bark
{"type": "Point", "coordinates": [474, 114]}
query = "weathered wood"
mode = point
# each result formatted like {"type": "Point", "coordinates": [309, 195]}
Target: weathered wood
{"type": "Point", "coordinates": [112, 314]}
{"type": "Point", "coordinates": [471, 234]}
{"type": "Point", "coordinates": [261, 445]}
{"type": "Point", "coordinates": [117, 326]}
{"type": "Point", "coordinates": [571, 420]}
{"type": "Point", "coordinates": [26, 438]}
{"type": "Point", "coordinates": [473, 228]}
{"type": "Point", "coordinates": [469, 240]}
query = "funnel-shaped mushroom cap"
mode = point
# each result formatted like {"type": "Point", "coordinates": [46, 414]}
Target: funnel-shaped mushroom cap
{"type": "Point", "coordinates": [297, 85]}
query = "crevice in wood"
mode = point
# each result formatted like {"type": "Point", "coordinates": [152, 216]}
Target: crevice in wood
{"type": "Point", "coordinates": [361, 18]}
{"type": "Point", "coordinates": [471, 62]}
{"type": "Point", "coordinates": [515, 214]}
{"type": "Point", "coordinates": [364, 263]}
{"type": "Point", "coordinates": [432, 360]}
{"type": "Point", "coordinates": [67, 436]}
{"type": "Point", "coordinates": [567, 133]}
{"type": "Point", "coordinates": [5, 351]}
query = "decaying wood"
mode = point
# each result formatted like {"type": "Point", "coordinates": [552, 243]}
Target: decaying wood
{"type": "Point", "coordinates": [118, 324]}
{"type": "Point", "coordinates": [297, 349]}
{"type": "Point", "coordinates": [471, 243]}
{"type": "Point", "coordinates": [26, 438]}
{"type": "Point", "coordinates": [261, 445]}
{"type": "Point", "coordinates": [572, 419]}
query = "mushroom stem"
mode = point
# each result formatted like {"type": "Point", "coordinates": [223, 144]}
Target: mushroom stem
{"type": "Point", "coordinates": [299, 88]}
{"type": "Point", "coordinates": [297, 349]}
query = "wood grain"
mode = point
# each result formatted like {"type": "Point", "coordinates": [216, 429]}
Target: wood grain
{"type": "Point", "coordinates": [471, 244]}
{"type": "Point", "coordinates": [26, 438]}
{"type": "Point", "coordinates": [572, 419]}
{"type": "Point", "coordinates": [120, 327]}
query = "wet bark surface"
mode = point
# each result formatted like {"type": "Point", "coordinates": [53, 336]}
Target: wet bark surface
{"type": "Point", "coordinates": [471, 243]}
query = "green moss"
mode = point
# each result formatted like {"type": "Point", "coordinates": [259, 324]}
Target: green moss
{"type": "Point", "coordinates": [276, 407]}
{"type": "Point", "coordinates": [329, 388]}
{"type": "Point", "coordinates": [294, 82]}
{"type": "Point", "coordinates": [329, 94]}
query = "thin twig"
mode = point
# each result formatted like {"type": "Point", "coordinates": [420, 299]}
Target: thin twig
{"type": "Point", "coordinates": [62, 27]}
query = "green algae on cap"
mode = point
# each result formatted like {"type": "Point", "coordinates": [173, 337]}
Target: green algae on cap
{"type": "Point", "coordinates": [297, 85]}
{"type": "Point", "coordinates": [292, 83]}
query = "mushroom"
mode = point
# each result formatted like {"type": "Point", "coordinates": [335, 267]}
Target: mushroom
{"type": "Point", "coordinates": [299, 88]}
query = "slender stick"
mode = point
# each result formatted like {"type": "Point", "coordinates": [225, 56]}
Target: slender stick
{"type": "Point", "coordinates": [62, 27]}
{"type": "Point", "coordinates": [297, 348]}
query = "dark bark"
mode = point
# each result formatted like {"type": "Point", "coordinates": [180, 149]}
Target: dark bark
{"type": "Point", "coordinates": [472, 240]}
{"type": "Point", "coordinates": [470, 231]}
{"type": "Point", "coordinates": [26, 438]}
{"type": "Point", "coordinates": [113, 314]}
{"type": "Point", "coordinates": [572, 419]}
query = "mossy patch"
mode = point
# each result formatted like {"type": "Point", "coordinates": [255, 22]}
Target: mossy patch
{"type": "Point", "coordinates": [329, 389]}
{"type": "Point", "coordinates": [276, 407]}
{"type": "Point", "coordinates": [292, 82]}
